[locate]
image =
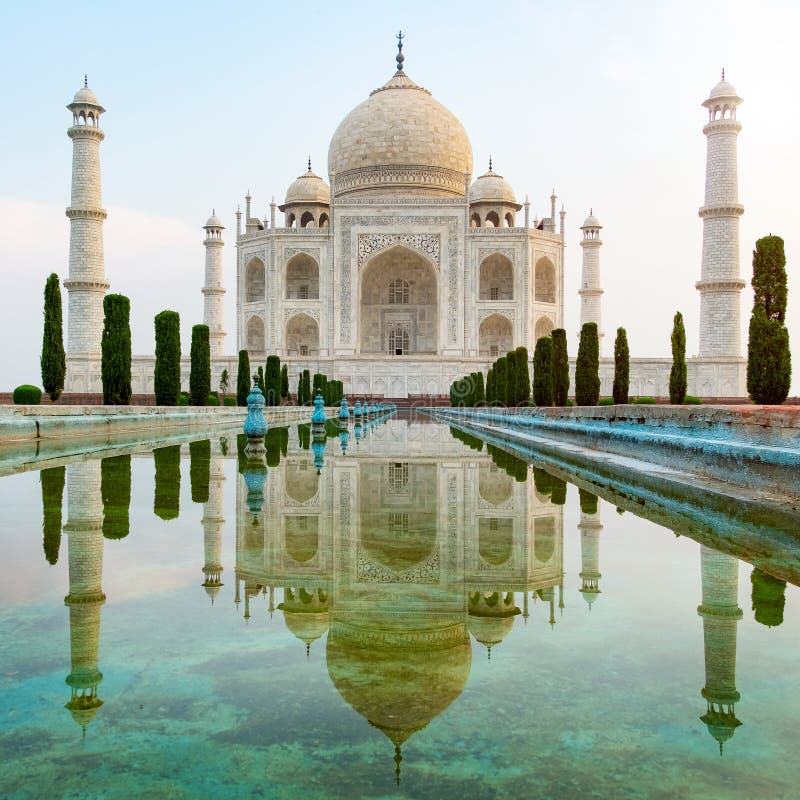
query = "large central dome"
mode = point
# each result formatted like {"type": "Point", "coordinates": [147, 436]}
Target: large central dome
{"type": "Point", "coordinates": [400, 141]}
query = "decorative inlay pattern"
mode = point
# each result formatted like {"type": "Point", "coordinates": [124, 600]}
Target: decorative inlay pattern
{"type": "Point", "coordinates": [428, 244]}
{"type": "Point", "coordinates": [288, 313]}
{"type": "Point", "coordinates": [502, 312]}
{"type": "Point", "coordinates": [426, 571]}
{"type": "Point", "coordinates": [288, 252]}
{"type": "Point", "coordinates": [410, 176]}
{"type": "Point", "coordinates": [485, 252]}
{"type": "Point", "coordinates": [440, 639]}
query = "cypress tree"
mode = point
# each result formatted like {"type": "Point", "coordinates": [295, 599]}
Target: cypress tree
{"type": "Point", "coordinates": [622, 363]}
{"type": "Point", "coordinates": [543, 372]}
{"type": "Point", "coordinates": [52, 481]}
{"type": "Point", "coordinates": [167, 373]}
{"type": "Point", "coordinates": [115, 347]}
{"type": "Point", "coordinates": [587, 367]}
{"type": "Point", "coordinates": [500, 375]}
{"type": "Point", "coordinates": [677, 375]}
{"type": "Point", "coordinates": [490, 386]}
{"type": "Point", "coordinates": [285, 383]}
{"type": "Point", "coordinates": [560, 367]}
{"type": "Point", "coordinates": [115, 490]}
{"type": "Point", "coordinates": [243, 378]}
{"type": "Point", "coordinates": [258, 379]}
{"type": "Point", "coordinates": [224, 378]}
{"type": "Point", "coordinates": [200, 368]}
{"type": "Point", "coordinates": [480, 389]}
{"type": "Point", "coordinates": [523, 377]}
{"type": "Point", "coordinates": [769, 365]}
{"type": "Point", "coordinates": [306, 387]}
{"type": "Point", "coordinates": [166, 500]}
{"type": "Point", "coordinates": [200, 470]}
{"type": "Point", "coordinates": [511, 379]}
{"type": "Point", "coordinates": [272, 381]}
{"type": "Point", "coordinates": [53, 361]}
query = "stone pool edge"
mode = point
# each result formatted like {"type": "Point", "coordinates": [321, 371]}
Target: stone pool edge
{"type": "Point", "coordinates": [757, 446]}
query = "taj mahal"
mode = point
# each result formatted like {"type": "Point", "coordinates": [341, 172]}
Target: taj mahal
{"type": "Point", "coordinates": [400, 272]}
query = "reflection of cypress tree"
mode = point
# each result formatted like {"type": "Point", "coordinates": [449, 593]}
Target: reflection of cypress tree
{"type": "Point", "coordinates": [588, 502]}
{"type": "Point", "coordinates": [559, 495]}
{"type": "Point", "coordinates": [543, 482]}
{"type": "Point", "coordinates": [167, 460]}
{"type": "Point", "coordinates": [241, 443]}
{"type": "Point", "coordinates": [200, 470]}
{"type": "Point", "coordinates": [331, 428]}
{"type": "Point", "coordinates": [304, 436]}
{"type": "Point", "coordinates": [115, 489]}
{"type": "Point", "coordinates": [273, 442]}
{"type": "Point", "coordinates": [768, 598]}
{"type": "Point", "coordinates": [471, 441]}
{"type": "Point", "coordinates": [52, 481]}
{"type": "Point", "coordinates": [511, 465]}
{"type": "Point", "coordinates": [284, 439]}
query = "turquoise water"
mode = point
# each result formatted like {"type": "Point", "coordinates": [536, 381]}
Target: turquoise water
{"type": "Point", "coordinates": [416, 608]}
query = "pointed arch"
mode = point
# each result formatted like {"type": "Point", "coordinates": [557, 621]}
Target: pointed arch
{"type": "Point", "coordinates": [302, 336]}
{"type": "Point", "coordinates": [492, 220]}
{"type": "Point", "coordinates": [254, 281]}
{"type": "Point", "coordinates": [545, 281]}
{"type": "Point", "coordinates": [255, 334]}
{"type": "Point", "coordinates": [307, 220]}
{"type": "Point", "coordinates": [496, 279]}
{"type": "Point", "coordinates": [544, 327]}
{"type": "Point", "coordinates": [495, 336]}
{"type": "Point", "coordinates": [302, 278]}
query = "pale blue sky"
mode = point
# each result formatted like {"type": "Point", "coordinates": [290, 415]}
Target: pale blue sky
{"type": "Point", "coordinates": [205, 100]}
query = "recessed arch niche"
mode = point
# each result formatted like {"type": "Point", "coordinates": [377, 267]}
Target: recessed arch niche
{"type": "Point", "coordinates": [495, 336]}
{"type": "Point", "coordinates": [496, 278]}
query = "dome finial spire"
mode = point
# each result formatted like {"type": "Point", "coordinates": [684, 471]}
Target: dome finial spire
{"type": "Point", "coordinates": [723, 73]}
{"type": "Point", "coordinates": [309, 163]}
{"type": "Point", "coordinates": [490, 163]}
{"type": "Point", "coordinates": [85, 80]}
{"type": "Point", "coordinates": [400, 57]}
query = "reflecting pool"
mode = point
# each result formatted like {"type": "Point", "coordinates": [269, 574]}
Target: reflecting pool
{"type": "Point", "coordinates": [390, 610]}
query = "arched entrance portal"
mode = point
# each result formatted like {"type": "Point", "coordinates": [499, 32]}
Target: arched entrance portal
{"type": "Point", "coordinates": [399, 312]}
{"type": "Point", "coordinates": [302, 336]}
{"type": "Point", "coordinates": [495, 336]}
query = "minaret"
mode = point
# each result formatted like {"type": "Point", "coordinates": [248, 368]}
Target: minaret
{"type": "Point", "coordinates": [87, 283]}
{"type": "Point", "coordinates": [721, 614]}
{"type": "Point", "coordinates": [590, 290]}
{"type": "Point", "coordinates": [84, 531]}
{"type": "Point", "coordinates": [720, 285]}
{"type": "Point", "coordinates": [213, 523]}
{"type": "Point", "coordinates": [213, 291]}
{"type": "Point", "coordinates": [590, 527]}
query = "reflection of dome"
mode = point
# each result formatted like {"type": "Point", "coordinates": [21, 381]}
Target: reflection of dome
{"type": "Point", "coordinates": [212, 590]}
{"type": "Point", "coordinates": [305, 613]}
{"type": "Point", "coordinates": [400, 138]}
{"type": "Point", "coordinates": [400, 680]}
{"type": "Point", "coordinates": [721, 724]}
{"type": "Point", "coordinates": [83, 708]}
{"type": "Point", "coordinates": [491, 188]}
{"type": "Point", "coordinates": [308, 188]}
{"type": "Point", "coordinates": [490, 631]}
{"type": "Point", "coordinates": [491, 617]}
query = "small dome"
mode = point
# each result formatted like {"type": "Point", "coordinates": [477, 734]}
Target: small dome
{"type": "Point", "coordinates": [722, 89]}
{"type": "Point", "coordinates": [490, 631]}
{"type": "Point", "coordinates": [86, 96]}
{"type": "Point", "coordinates": [591, 222]}
{"type": "Point", "coordinates": [308, 188]}
{"type": "Point", "coordinates": [213, 222]}
{"type": "Point", "coordinates": [491, 188]}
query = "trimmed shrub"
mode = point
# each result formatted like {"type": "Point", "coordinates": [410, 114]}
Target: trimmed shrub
{"type": "Point", "coordinates": [183, 399]}
{"type": "Point", "coordinates": [606, 401]}
{"type": "Point", "coordinates": [200, 470]}
{"type": "Point", "coordinates": [229, 401]}
{"type": "Point", "coordinates": [272, 381]}
{"type": "Point", "coordinates": [167, 373]}
{"type": "Point", "coordinates": [285, 383]}
{"type": "Point", "coordinates": [622, 366]}
{"type": "Point", "coordinates": [522, 377]}
{"type": "Point", "coordinates": [645, 401]}
{"type": "Point", "coordinates": [560, 367]}
{"type": "Point", "coordinates": [52, 481]}
{"type": "Point", "coordinates": [543, 372]}
{"type": "Point", "coordinates": [115, 347]}
{"type": "Point", "coordinates": [224, 378]}
{"type": "Point", "coordinates": [200, 368]}
{"type": "Point", "coordinates": [691, 400]}
{"type": "Point", "coordinates": [212, 399]}
{"type": "Point", "coordinates": [769, 365]}
{"type": "Point", "coordinates": [243, 382]}
{"type": "Point", "coordinates": [587, 367]}
{"type": "Point", "coordinates": [677, 375]}
{"type": "Point", "coordinates": [53, 361]}
{"type": "Point", "coordinates": [27, 395]}
{"type": "Point", "coordinates": [166, 500]}
{"type": "Point", "coordinates": [115, 490]}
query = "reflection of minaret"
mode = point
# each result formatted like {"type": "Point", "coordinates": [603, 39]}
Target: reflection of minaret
{"type": "Point", "coordinates": [85, 536]}
{"type": "Point", "coordinates": [213, 523]}
{"type": "Point", "coordinates": [721, 613]}
{"type": "Point", "coordinates": [590, 527]}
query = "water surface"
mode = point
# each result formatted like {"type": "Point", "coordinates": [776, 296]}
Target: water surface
{"type": "Point", "coordinates": [418, 616]}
